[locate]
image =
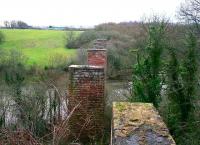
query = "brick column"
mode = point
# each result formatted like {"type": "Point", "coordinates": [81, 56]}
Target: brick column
{"type": "Point", "coordinates": [97, 57]}
{"type": "Point", "coordinates": [100, 44]}
{"type": "Point", "coordinates": [86, 86]}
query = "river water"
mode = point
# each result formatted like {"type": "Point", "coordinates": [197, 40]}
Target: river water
{"type": "Point", "coordinates": [114, 91]}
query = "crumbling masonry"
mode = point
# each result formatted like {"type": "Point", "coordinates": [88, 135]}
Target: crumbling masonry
{"type": "Point", "coordinates": [86, 87]}
{"type": "Point", "coordinates": [132, 123]}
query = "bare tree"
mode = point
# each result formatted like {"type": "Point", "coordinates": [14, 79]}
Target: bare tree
{"type": "Point", "coordinates": [16, 24]}
{"type": "Point", "coordinates": [13, 24]}
{"type": "Point", "coordinates": [190, 12]}
{"type": "Point", "coordinates": [22, 25]}
{"type": "Point", "coordinates": [7, 24]}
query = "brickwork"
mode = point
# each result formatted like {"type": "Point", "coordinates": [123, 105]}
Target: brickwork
{"type": "Point", "coordinates": [138, 124]}
{"type": "Point", "coordinates": [100, 44]}
{"type": "Point", "coordinates": [86, 86]}
{"type": "Point", "coordinates": [97, 57]}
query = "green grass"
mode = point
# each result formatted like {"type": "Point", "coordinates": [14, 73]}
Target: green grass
{"type": "Point", "coordinates": [37, 45]}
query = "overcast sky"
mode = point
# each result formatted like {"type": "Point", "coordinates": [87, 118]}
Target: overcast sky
{"type": "Point", "coordinates": [83, 12]}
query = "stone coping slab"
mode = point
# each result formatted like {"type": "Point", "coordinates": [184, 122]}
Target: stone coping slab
{"type": "Point", "coordinates": [86, 67]}
{"type": "Point", "coordinates": [138, 124]}
{"type": "Point", "coordinates": [94, 49]}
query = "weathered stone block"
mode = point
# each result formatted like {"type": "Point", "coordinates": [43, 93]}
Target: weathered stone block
{"type": "Point", "coordinates": [138, 124]}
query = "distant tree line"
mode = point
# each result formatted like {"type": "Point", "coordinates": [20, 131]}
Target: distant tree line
{"type": "Point", "coordinates": [16, 25]}
{"type": "Point", "coordinates": [77, 29]}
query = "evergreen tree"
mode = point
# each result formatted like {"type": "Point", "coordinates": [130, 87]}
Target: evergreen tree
{"type": "Point", "coordinates": [182, 84]}
{"type": "Point", "coordinates": [175, 92]}
{"type": "Point", "coordinates": [189, 77]}
{"type": "Point", "coordinates": [147, 80]}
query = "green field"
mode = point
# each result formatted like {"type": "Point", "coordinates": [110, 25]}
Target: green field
{"type": "Point", "coordinates": [38, 46]}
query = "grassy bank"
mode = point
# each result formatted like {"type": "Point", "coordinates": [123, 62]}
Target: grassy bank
{"type": "Point", "coordinates": [38, 46]}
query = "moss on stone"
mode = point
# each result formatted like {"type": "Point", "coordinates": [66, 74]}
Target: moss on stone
{"type": "Point", "coordinates": [139, 122]}
{"type": "Point", "coordinates": [120, 106]}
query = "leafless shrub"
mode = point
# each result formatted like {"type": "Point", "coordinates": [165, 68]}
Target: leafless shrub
{"type": "Point", "coordinates": [61, 131]}
{"type": "Point", "coordinates": [81, 56]}
{"type": "Point", "coordinates": [57, 60]}
{"type": "Point", "coordinates": [19, 137]}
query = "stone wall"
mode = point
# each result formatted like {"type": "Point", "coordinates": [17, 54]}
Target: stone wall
{"type": "Point", "coordinates": [86, 86]}
{"type": "Point", "coordinates": [138, 124]}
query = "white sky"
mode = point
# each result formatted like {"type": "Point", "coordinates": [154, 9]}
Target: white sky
{"type": "Point", "coordinates": [83, 12]}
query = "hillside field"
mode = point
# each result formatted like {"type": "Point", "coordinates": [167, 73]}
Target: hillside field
{"type": "Point", "coordinates": [38, 46]}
